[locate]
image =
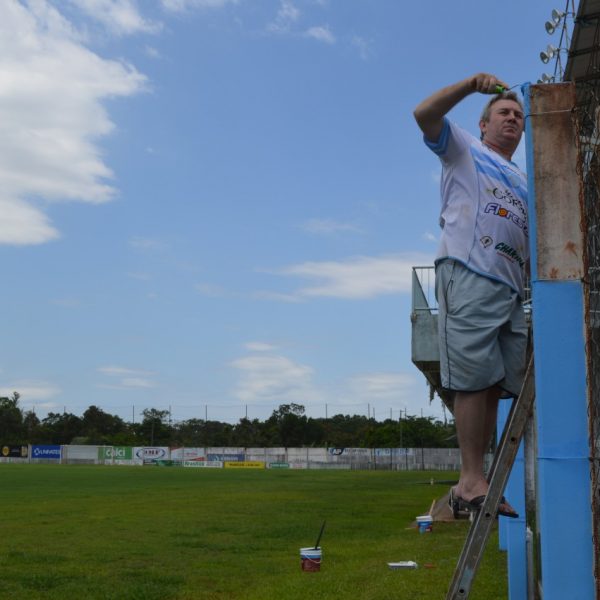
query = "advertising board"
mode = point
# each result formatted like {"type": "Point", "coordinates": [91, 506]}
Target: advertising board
{"type": "Point", "coordinates": [12, 451]}
{"type": "Point", "coordinates": [46, 451]}
{"type": "Point", "coordinates": [226, 457]}
{"type": "Point", "coordinates": [204, 464]}
{"type": "Point", "coordinates": [150, 454]}
{"type": "Point", "coordinates": [244, 464]}
{"type": "Point", "coordinates": [115, 453]}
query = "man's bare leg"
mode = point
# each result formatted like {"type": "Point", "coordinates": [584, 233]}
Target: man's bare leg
{"type": "Point", "coordinates": [472, 427]}
{"type": "Point", "coordinates": [491, 415]}
{"type": "Point", "coordinates": [475, 415]}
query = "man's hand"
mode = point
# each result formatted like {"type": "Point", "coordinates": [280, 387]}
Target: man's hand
{"type": "Point", "coordinates": [485, 83]}
{"type": "Point", "coordinates": [430, 113]}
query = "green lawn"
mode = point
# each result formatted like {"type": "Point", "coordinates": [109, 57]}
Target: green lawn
{"type": "Point", "coordinates": [149, 533]}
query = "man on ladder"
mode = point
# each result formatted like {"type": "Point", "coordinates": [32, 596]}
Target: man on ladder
{"type": "Point", "coordinates": [480, 269]}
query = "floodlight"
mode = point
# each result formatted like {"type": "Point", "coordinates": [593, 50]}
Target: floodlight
{"type": "Point", "coordinates": [551, 52]}
{"type": "Point", "coordinates": [550, 27]}
{"type": "Point", "coordinates": [547, 78]}
{"type": "Point", "coordinates": [557, 15]}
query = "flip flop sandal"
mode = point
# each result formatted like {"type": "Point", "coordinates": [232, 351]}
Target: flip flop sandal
{"type": "Point", "coordinates": [476, 503]}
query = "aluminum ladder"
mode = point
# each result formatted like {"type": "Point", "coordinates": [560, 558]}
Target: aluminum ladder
{"type": "Point", "coordinates": [504, 458]}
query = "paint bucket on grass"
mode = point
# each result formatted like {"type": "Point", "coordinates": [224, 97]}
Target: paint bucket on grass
{"type": "Point", "coordinates": [310, 559]}
{"type": "Point", "coordinates": [425, 523]}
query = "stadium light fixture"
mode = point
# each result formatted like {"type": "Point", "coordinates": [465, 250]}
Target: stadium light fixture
{"type": "Point", "coordinates": [551, 25]}
{"type": "Point", "coordinates": [551, 52]}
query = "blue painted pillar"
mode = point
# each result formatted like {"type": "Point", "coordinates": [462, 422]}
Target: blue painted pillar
{"type": "Point", "coordinates": [512, 532]}
{"type": "Point", "coordinates": [557, 270]}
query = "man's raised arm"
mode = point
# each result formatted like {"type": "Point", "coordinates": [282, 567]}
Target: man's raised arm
{"type": "Point", "coordinates": [430, 113]}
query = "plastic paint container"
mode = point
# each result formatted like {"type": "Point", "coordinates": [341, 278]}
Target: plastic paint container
{"type": "Point", "coordinates": [425, 523]}
{"type": "Point", "coordinates": [310, 559]}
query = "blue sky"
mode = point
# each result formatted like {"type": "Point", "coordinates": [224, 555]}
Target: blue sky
{"type": "Point", "coordinates": [214, 205]}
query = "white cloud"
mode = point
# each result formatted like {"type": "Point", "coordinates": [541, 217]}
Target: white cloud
{"type": "Point", "coordinates": [31, 391]}
{"type": "Point", "coordinates": [275, 379]}
{"type": "Point", "coordinates": [385, 390]}
{"type": "Point", "coordinates": [152, 52]}
{"type": "Point", "coordinates": [137, 382]}
{"type": "Point", "coordinates": [276, 296]}
{"type": "Point", "coordinates": [430, 237]}
{"type": "Point", "coordinates": [321, 33]}
{"type": "Point", "coordinates": [381, 386]}
{"type": "Point", "coordinates": [259, 347]}
{"type": "Point", "coordinates": [272, 378]}
{"type": "Point", "coordinates": [22, 224]}
{"type": "Point", "coordinates": [210, 290]}
{"type": "Point", "coordinates": [121, 17]}
{"type": "Point", "coordinates": [51, 117]}
{"type": "Point", "coordinates": [357, 278]}
{"type": "Point", "coordinates": [436, 176]}
{"type": "Point", "coordinates": [115, 371]}
{"type": "Point", "coordinates": [183, 5]}
{"type": "Point", "coordinates": [362, 46]}
{"type": "Point", "coordinates": [127, 378]}
{"type": "Point", "coordinates": [287, 15]}
{"type": "Point", "coordinates": [46, 405]}
{"type": "Point", "coordinates": [328, 226]}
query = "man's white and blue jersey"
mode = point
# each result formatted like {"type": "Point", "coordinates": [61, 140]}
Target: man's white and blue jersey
{"type": "Point", "coordinates": [484, 208]}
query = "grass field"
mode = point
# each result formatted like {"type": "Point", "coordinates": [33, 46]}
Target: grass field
{"type": "Point", "coordinates": [131, 533]}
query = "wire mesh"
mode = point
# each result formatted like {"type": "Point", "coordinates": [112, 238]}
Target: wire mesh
{"type": "Point", "coordinates": [588, 121]}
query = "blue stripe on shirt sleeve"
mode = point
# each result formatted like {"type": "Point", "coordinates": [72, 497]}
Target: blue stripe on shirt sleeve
{"type": "Point", "coordinates": [441, 145]}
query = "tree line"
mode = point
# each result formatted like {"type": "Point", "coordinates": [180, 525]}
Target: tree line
{"type": "Point", "coordinates": [288, 426]}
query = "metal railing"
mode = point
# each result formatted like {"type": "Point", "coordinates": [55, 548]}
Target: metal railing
{"type": "Point", "coordinates": [423, 290]}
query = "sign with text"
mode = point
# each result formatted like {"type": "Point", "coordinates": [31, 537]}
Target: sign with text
{"type": "Point", "coordinates": [187, 454]}
{"type": "Point", "coordinates": [204, 464]}
{"type": "Point", "coordinates": [244, 464]}
{"type": "Point", "coordinates": [14, 451]}
{"type": "Point", "coordinates": [226, 457]}
{"type": "Point", "coordinates": [353, 452]}
{"type": "Point", "coordinates": [115, 453]}
{"type": "Point", "coordinates": [48, 452]}
{"type": "Point", "coordinates": [149, 454]}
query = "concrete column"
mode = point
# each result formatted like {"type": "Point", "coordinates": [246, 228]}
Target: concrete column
{"type": "Point", "coordinates": [557, 270]}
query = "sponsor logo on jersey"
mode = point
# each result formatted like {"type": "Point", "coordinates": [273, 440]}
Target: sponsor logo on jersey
{"type": "Point", "coordinates": [505, 213]}
{"type": "Point", "coordinates": [510, 198]}
{"type": "Point", "coordinates": [510, 253]}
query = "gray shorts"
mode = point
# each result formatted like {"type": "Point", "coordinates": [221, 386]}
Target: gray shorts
{"type": "Point", "coordinates": [482, 331]}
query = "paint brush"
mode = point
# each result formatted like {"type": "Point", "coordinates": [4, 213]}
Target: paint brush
{"type": "Point", "coordinates": [320, 534]}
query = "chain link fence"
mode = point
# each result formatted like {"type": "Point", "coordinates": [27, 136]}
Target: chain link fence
{"type": "Point", "coordinates": [588, 120]}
